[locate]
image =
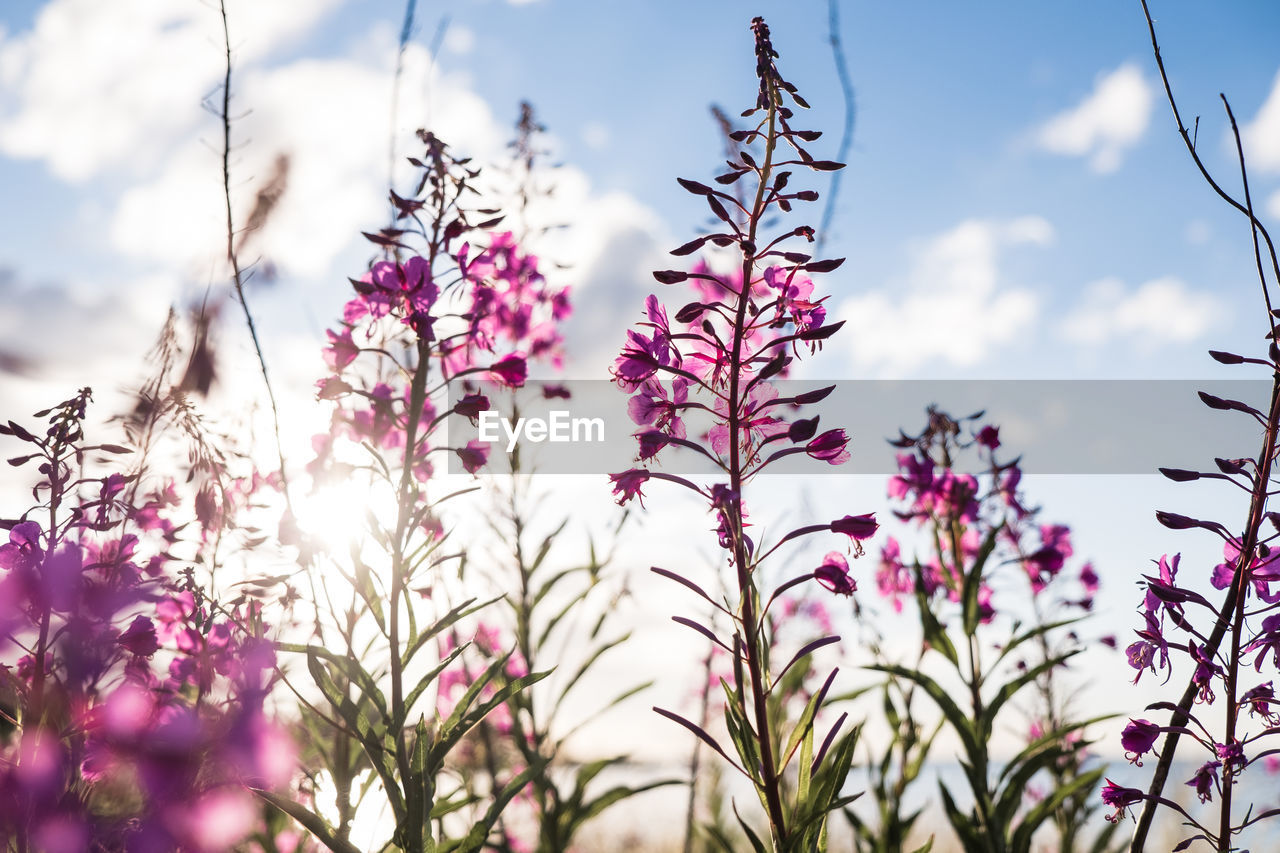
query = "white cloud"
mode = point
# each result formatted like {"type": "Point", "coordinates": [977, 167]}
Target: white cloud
{"type": "Point", "coordinates": [1273, 205]}
{"type": "Point", "coordinates": [1105, 124]}
{"type": "Point", "coordinates": [459, 40]}
{"type": "Point", "coordinates": [1261, 136]}
{"type": "Point", "coordinates": [953, 308]}
{"type": "Point", "coordinates": [93, 86]}
{"type": "Point", "coordinates": [163, 206]}
{"type": "Point", "coordinates": [330, 117]}
{"type": "Point", "coordinates": [1160, 311]}
{"type": "Point", "coordinates": [1198, 232]}
{"type": "Point", "coordinates": [596, 135]}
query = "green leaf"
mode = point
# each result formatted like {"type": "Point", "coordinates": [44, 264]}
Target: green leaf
{"type": "Point", "coordinates": [986, 725]}
{"type": "Point", "coordinates": [462, 721]}
{"type": "Point", "coordinates": [963, 824]}
{"type": "Point", "coordinates": [958, 718]}
{"type": "Point", "coordinates": [1046, 807]}
{"type": "Point", "coordinates": [934, 633]}
{"type": "Point", "coordinates": [479, 832]}
{"type": "Point", "coordinates": [973, 583]}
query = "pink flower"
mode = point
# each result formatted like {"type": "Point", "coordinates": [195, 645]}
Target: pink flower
{"type": "Point", "coordinates": [473, 456]}
{"type": "Point", "coordinates": [511, 370]}
{"type": "Point", "coordinates": [627, 484]}
{"type": "Point", "coordinates": [1205, 780]}
{"type": "Point", "coordinates": [857, 527]}
{"type": "Point", "coordinates": [1139, 738]}
{"type": "Point", "coordinates": [342, 350]}
{"type": "Point", "coordinates": [829, 447]}
{"type": "Point", "coordinates": [140, 637]}
{"type": "Point", "coordinates": [1120, 798]}
{"type": "Point", "coordinates": [834, 574]}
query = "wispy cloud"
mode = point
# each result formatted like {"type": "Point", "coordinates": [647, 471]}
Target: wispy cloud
{"type": "Point", "coordinates": [1158, 312]}
{"type": "Point", "coordinates": [1261, 140]}
{"type": "Point", "coordinates": [1108, 122]}
{"type": "Point", "coordinates": [953, 306]}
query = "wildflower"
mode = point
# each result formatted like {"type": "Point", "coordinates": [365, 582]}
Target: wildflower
{"type": "Point", "coordinates": [1231, 754]}
{"type": "Point", "coordinates": [473, 456]}
{"type": "Point", "coordinates": [1260, 700]}
{"type": "Point", "coordinates": [627, 484]}
{"type": "Point", "coordinates": [1206, 669]}
{"type": "Point", "coordinates": [1119, 798]}
{"type": "Point", "coordinates": [653, 406]}
{"type": "Point", "coordinates": [651, 442]}
{"type": "Point", "coordinates": [834, 574]}
{"type": "Point", "coordinates": [857, 527]}
{"type": "Point", "coordinates": [511, 370]}
{"type": "Point", "coordinates": [1205, 780]}
{"type": "Point", "coordinates": [23, 551]}
{"type": "Point", "coordinates": [1138, 738]}
{"type": "Point", "coordinates": [140, 638]}
{"type": "Point", "coordinates": [342, 350]}
{"type": "Point", "coordinates": [829, 447]}
{"type": "Point", "coordinates": [892, 577]}
{"type": "Point", "coordinates": [471, 406]}
{"type": "Point", "coordinates": [1268, 640]}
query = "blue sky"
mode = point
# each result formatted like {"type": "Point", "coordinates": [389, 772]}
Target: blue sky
{"type": "Point", "coordinates": [1017, 203]}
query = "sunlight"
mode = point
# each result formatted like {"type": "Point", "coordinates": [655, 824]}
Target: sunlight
{"type": "Point", "coordinates": [336, 516]}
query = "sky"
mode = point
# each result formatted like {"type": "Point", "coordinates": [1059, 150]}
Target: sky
{"type": "Point", "coordinates": [1017, 203]}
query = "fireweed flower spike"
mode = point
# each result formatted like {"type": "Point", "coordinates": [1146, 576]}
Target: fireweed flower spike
{"type": "Point", "coordinates": [452, 299]}
{"type": "Point", "coordinates": [719, 353]}
{"type": "Point", "coordinates": [1219, 634]}
{"type": "Point", "coordinates": [89, 594]}
{"type": "Point", "coordinates": [977, 537]}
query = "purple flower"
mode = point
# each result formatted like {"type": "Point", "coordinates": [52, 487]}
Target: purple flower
{"type": "Point", "coordinates": [989, 437]}
{"type": "Point", "coordinates": [471, 406]}
{"type": "Point", "coordinates": [829, 447]}
{"type": "Point", "coordinates": [1268, 640]}
{"type": "Point", "coordinates": [473, 456]}
{"type": "Point", "coordinates": [1142, 654]}
{"type": "Point", "coordinates": [1138, 738]}
{"type": "Point", "coordinates": [1230, 754]}
{"type": "Point", "coordinates": [857, 527]}
{"type": "Point", "coordinates": [511, 370]}
{"type": "Point", "coordinates": [342, 350]}
{"type": "Point", "coordinates": [1089, 578]}
{"type": "Point", "coordinates": [627, 484]}
{"type": "Point", "coordinates": [1168, 577]}
{"type": "Point", "coordinates": [834, 575]}
{"type": "Point", "coordinates": [1205, 780]}
{"type": "Point", "coordinates": [23, 549]}
{"type": "Point", "coordinates": [892, 577]}
{"type": "Point", "coordinates": [1119, 798]}
{"type": "Point", "coordinates": [651, 441]}
{"type": "Point", "coordinates": [1206, 669]}
{"type": "Point", "coordinates": [1260, 699]}
{"type": "Point", "coordinates": [652, 406]}
{"type": "Point", "coordinates": [140, 638]}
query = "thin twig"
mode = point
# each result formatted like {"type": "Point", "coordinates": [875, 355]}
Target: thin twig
{"type": "Point", "coordinates": [850, 112]}
{"type": "Point", "coordinates": [406, 32]}
{"type": "Point", "coordinates": [237, 277]}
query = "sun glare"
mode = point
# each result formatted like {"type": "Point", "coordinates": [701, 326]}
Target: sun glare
{"type": "Point", "coordinates": [336, 516]}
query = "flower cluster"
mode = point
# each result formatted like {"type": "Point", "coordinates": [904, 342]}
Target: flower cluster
{"type": "Point", "coordinates": [89, 609]}
{"type": "Point", "coordinates": [979, 536]}
{"type": "Point", "coordinates": [976, 513]}
{"type": "Point", "coordinates": [718, 356]}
